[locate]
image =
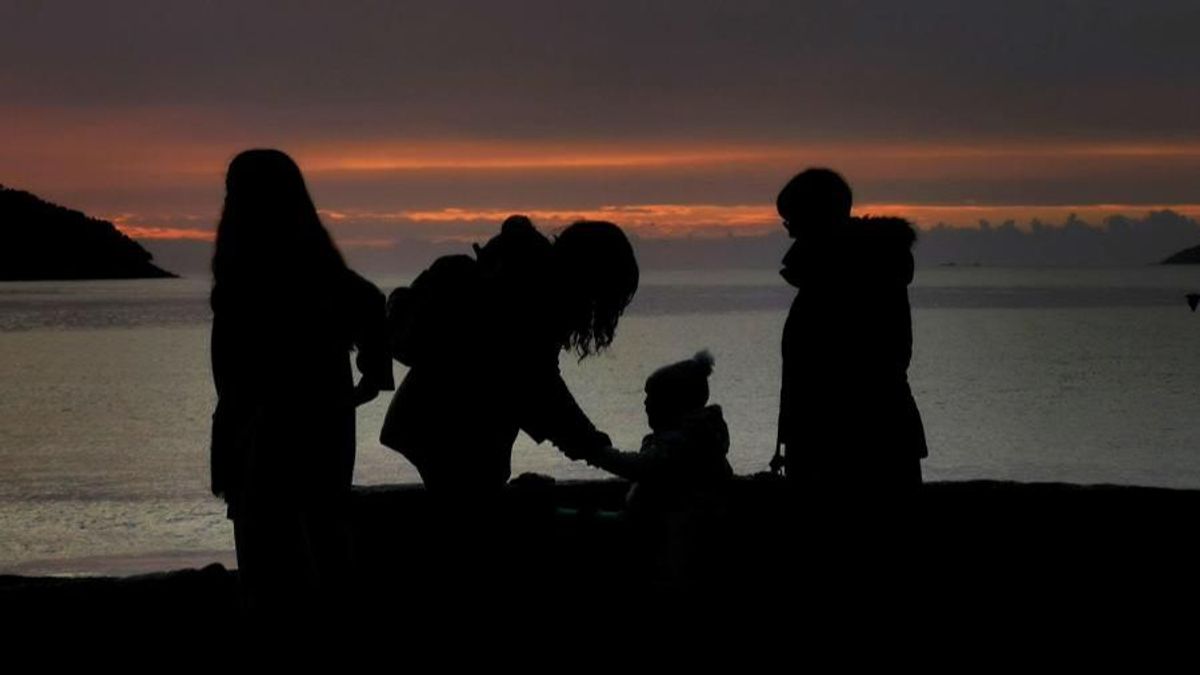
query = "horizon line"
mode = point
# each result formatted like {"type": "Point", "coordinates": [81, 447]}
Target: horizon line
{"type": "Point", "coordinates": [654, 221]}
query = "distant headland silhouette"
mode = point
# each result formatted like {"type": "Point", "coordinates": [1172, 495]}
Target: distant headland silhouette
{"type": "Point", "coordinates": [45, 241]}
{"type": "Point", "coordinates": [1188, 256]}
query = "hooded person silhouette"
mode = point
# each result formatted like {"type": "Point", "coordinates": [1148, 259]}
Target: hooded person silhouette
{"type": "Point", "coordinates": [848, 423]}
{"type": "Point", "coordinates": [681, 477]}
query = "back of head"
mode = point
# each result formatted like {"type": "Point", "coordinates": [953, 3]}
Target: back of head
{"type": "Point", "coordinates": [600, 271]}
{"type": "Point", "coordinates": [269, 224]}
{"type": "Point", "coordinates": [814, 196]}
{"type": "Point", "coordinates": [681, 387]}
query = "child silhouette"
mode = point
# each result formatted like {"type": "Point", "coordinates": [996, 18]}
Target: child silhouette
{"type": "Point", "coordinates": [681, 474]}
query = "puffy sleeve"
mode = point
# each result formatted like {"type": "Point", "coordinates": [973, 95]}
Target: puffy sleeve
{"type": "Point", "coordinates": [654, 461]}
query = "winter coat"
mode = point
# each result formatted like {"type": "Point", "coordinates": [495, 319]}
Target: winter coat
{"type": "Point", "coordinates": [846, 408]}
{"type": "Point", "coordinates": [678, 470]}
{"type": "Point", "coordinates": [284, 426]}
{"type": "Point", "coordinates": [679, 502]}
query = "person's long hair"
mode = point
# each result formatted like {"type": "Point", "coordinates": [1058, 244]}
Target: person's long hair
{"type": "Point", "coordinates": [598, 263]}
{"type": "Point", "coordinates": [270, 235]}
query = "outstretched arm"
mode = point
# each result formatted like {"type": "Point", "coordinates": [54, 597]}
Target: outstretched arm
{"type": "Point", "coordinates": [652, 462]}
{"type": "Point", "coordinates": [548, 411]}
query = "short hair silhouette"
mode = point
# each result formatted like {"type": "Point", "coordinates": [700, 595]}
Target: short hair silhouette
{"type": "Point", "coordinates": [269, 223]}
{"type": "Point", "coordinates": [815, 195]}
{"type": "Point", "coordinates": [597, 259]}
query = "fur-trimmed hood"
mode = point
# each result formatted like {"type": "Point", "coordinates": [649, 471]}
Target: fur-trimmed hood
{"type": "Point", "coordinates": [871, 249]}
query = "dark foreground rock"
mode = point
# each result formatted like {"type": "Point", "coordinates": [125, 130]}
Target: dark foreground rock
{"type": "Point", "coordinates": [981, 547]}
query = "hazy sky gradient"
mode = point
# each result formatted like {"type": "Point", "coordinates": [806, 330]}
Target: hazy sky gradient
{"type": "Point", "coordinates": [693, 113]}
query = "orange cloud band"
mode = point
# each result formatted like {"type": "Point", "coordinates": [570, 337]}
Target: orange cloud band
{"type": "Point", "coordinates": [667, 220]}
{"type": "Point", "coordinates": [151, 232]}
{"type": "Point", "coordinates": [664, 220]}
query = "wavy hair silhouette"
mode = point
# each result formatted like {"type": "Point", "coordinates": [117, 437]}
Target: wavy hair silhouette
{"type": "Point", "coordinates": [597, 260]}
{"type": "Point", "coordinates": [270, 227]}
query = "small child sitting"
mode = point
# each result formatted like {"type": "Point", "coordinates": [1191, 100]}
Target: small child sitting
{"type": "Point", "coordinates": [681, 474]}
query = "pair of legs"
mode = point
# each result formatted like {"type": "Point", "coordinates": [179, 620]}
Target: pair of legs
{"type": "Point", "coordinates": [294, 559]}
{"type": "Point", "coordinates": [855, 529]}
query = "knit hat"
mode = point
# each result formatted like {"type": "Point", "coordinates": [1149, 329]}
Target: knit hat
{"type": "Point", "coordinates": [685, 382]}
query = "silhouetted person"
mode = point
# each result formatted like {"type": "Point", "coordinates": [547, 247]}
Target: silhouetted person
{"type": "Point", "coordinates": [482, 337]}
{"type": "Point", "coordinates": [492, 368]}
{"type": "Point", "coordinates": [848, 423]}
{"type": "Point", "coordinates": [287, 313]}
{"type": "Point", "coordinates": [680, 476]}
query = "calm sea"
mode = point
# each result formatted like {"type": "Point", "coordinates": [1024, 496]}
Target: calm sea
{"type": "Point", "coordinates": [1089, 376]}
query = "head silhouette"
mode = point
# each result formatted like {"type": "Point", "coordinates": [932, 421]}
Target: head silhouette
{"type": "Point", "coordinates": [600, 273]}
{"type": "Point", "coordinates": [676, 390]}
{"type": "Point", "coordinates": [269, 225]}
{"type": "Point", "coordinates": [814, 201]}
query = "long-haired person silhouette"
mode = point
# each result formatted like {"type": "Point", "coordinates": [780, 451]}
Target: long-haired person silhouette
{"type": "Point", "coordinates": [492, 367]}
{"type": "Point", "coordinates": [287, 313]}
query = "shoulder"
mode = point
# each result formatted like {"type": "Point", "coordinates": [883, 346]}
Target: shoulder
{"type": "Point", "coordinates": [706, 429]}
{"type": "Point", "coordinates": [520, 231]}
{"type": "Point", "coordinates": [708, 420]}
{"type": "Point", "coordinates": [449, 267]}
{"type": "Point", "coordinates": [518, 246]}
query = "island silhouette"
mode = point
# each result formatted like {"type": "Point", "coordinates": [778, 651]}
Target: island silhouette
{"type": "Point", "coordinates": [44, 241]}
{"type": "Point", "coordinates": [1188, 256]}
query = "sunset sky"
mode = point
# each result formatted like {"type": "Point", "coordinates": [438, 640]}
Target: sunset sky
{"type": "Point", "coordinates": [435, 120]}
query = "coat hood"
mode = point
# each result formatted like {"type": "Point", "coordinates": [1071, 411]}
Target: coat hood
{"type": "Point", "coordinates": [706, 428]}
{"type": "Point", "coordinates": [871, 249]}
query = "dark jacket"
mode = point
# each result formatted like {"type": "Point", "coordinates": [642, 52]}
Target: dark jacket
{"type": "Point", "coordinates": [677, 470]}
{"type": "Point", "coordinates": [679, 501]}
{"type": "Point", "coordinates": [457, 413]}
{"type": "Point", "coordinates": [846, 406]}
{"type": "Point", "coordinates": [283, 430]}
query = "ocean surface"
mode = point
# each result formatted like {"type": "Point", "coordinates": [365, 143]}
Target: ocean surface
{"type": "Point", "coordinates": [1084, 375]}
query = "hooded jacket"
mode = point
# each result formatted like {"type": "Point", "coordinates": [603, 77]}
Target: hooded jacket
{"type": "Point", "coordinates": [847, 344]}
{"type": "Point", "coordinates": [678, 469]}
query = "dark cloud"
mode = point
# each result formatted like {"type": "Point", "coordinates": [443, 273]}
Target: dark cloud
{"type": "Point", "coordinates": [135, 107]}
{"type": "Point", "coordinates": [1118, 241]}
{"type": "Point", "coordinates": [548, 68]}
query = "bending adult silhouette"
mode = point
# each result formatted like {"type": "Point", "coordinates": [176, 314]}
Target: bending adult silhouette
{"type": "Point", "coordinates": [848, 424]}
{"type": "Point", "coordinates": [493, 368]}
{"type": "Point", "coordinates": [287, 313]}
